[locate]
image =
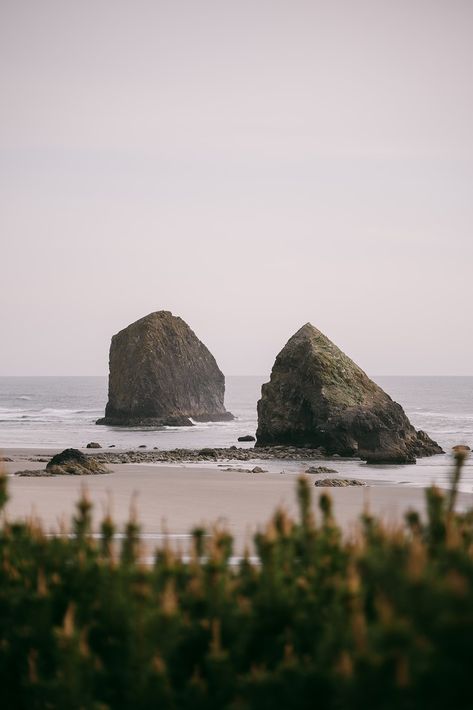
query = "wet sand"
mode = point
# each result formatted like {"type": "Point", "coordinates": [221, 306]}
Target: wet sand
{"type": "Point", "coordinates": [187, 495]}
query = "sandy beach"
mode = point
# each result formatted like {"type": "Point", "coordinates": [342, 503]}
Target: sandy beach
{"type": "Point", "coordinates": [181, 496]}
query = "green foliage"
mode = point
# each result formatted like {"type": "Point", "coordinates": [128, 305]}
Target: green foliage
{"type": "Point", "coordinates": [3, 490]}
{"type": "Point", "coordinates": [380, 621]}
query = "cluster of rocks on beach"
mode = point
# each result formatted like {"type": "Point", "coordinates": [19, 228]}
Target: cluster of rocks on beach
{"type": "Point", "coordinates": [73, 462]}
{"type": "Point", "coordinates": [233, 453]}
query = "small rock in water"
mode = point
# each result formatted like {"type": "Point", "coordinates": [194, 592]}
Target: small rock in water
{"type": "Point", "coordinates": [247, 437]}
{"type": "Point", "coordinates": [320, 469]}
{"type": "Point", "coordinates": [258, 469]}
{"type": "Point", "coordinates": [5, 458]}
{"type": "Point", "coordinates": [338, 482]}
{"type": "Point", "coordinates": [93, 445]}
{"type": "Point", "coordinates": [142, 446]}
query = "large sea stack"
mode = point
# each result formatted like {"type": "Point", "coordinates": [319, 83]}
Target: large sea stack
{"type": "Point", "coordinates": [161, 374]}
{"type": "Point", "coordinates": [317, 397]}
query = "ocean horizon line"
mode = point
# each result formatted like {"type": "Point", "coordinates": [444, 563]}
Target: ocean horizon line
{"type": "Point", "coordinates": [239, 375]}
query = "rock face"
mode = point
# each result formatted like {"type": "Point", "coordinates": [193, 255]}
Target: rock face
{"type": "Point", "coordinates": [161, 374]}
{"type": "Point", "coordinates": [318, 397]}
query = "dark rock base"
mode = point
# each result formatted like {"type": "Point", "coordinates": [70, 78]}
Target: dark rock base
{"type": "Point", "coordinates": [158, 422]}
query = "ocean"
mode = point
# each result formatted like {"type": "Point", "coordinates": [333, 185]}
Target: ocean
{"type": "Point", "coordinates": [58, 412]}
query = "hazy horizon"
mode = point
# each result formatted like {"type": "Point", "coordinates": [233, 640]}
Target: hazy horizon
{"type": "Point", "coordinates": [233, 374]}
{"type": "Point", "coordinates": [249, 166]}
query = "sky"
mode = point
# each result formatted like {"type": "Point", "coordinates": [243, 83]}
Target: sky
{"type": "Point", "coordinates": [250, 165]}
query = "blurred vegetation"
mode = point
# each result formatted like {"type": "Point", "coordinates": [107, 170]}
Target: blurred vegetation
{"type": "Point", "coordinates": [382, 620]}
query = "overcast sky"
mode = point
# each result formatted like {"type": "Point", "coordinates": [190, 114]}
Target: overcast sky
{"type": "Point", "coordinates": [248, 165]}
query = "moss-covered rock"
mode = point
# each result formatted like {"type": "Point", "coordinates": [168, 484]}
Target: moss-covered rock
{"type": "Point", "coordinates": [318, 397]}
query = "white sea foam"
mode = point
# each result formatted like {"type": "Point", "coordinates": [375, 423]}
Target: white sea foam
{"type": "Point", "coordinates": [13, 410]}
{"type": "Point", "coordinates": [47, 414]}
{"type": "Point", "coordinates": [448, 416]}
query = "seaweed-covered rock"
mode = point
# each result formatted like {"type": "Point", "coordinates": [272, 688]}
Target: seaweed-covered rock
{"type": "Point", "coordinates": [318, 397]}
{"type": "Point", "coordinates": [74, 462]}
{"type": "Point", "coordinates": [161, 374]}
{"type": "Point", "coordinates": [208, 453]}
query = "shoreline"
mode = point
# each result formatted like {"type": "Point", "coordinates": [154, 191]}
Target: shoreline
{"type": "Point", "coordinates": [189, 494]}
{"type": "Point", "coordinates": [143, 454]}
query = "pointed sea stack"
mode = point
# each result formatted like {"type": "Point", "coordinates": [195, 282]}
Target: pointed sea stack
{"type": "Point", "coordinates": [318, 397]}
{"type": "Point", "coordinates": [162, 375]}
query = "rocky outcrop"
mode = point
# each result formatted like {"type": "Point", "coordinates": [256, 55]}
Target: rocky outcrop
{"type": "Point", "coordinates": [233, 453]}
{"type": "Point", "coordinates": [73, 461]}
{"type": "Point", "coordinates": [162, 375]}
{"type": "Point", "coordinates": [70, 462]}
{"type": "Point", "coordinates": [318, 397]}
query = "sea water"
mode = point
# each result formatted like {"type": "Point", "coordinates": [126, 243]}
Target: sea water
{"type": "Point", "coordinates": [58, 412]}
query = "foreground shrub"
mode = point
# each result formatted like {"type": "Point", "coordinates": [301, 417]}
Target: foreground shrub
{"type": "Point", "coordinates": [384, 621]}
